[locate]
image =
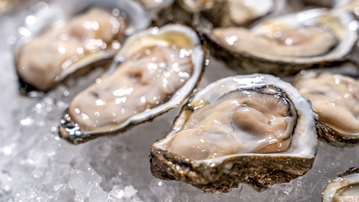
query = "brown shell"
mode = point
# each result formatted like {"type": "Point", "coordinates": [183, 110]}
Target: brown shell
{"type": "Point", "coordinates": [260, 172]}
{"type": "Point", "coordinates": [335, 137]}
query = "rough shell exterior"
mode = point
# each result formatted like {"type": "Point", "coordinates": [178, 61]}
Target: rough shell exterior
{"type": "Point", "coordinates": [334, 137]}
{"type": "Point", "coordinates": [258, 171]}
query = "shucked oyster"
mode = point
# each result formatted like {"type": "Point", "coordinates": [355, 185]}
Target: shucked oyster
{"type": "Point", "coordinates": [224, 13]}
{"type": "Point", "coordinates": [158, 9]}
{"type": "Point", "coordinates": [60, 46]}
{"type": "Point", "coordinates": [349, 5]}
{"type": "Point", "coordinates": [335, 98]}
{"type": "Point", "coordinates": [344, 188]}
{"type": "Point", "coordinates": [254, 129]}
{"type": "Point", "coordinates": [154, 71]}
{"type": "Point", "coordinates": [156, 4]}
{"type": "Point", "coordinates": [286, 44]}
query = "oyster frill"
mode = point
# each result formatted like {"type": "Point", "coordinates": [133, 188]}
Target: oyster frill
{"type": "Point", "coordinates": [335, 99]}
{"type": "Point", "coordinates": [344, 188]}
{"type": "Point", "coordinates": [286, 44]}
{"type": "Point", "coordinates": [254, 129]}
{"type": "Point", "coordinates": [154, 71]}
{"type": "Point", "coordinates": [60, 46]}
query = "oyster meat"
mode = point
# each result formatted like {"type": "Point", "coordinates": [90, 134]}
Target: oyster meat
{"type": "Point", "coordinates": [254, 129]}
{"type": "Point", "coordinates": [350, 5]}
{"type": "Point", "coordinates": [64, 46]}
{"type": "Point", "coordinates": [286, 44]}
{"type": "Point", "coordinates": [344, 188]}
{"type": "Point", "coordinates": [224, 13]}
{"type": "Point", "coordinates": [156, 4]}
{"type": "Point", "coordinates": [46, 56]}
{"type": "Point", "coordinates": [335, 98]}
{"type": "Point", "coordinates": [154, 71]}
{"type": "Point", "coordinates": [159, 10]}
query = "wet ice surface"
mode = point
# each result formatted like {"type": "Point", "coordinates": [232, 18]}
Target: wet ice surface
{"type": "Point", "coordinates": [35, 165]}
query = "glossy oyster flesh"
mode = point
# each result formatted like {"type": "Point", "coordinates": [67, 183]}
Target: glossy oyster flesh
{"type": "Point", "coordinates": [224, 13]}
{"type": "Point", "coordinates": [301, 42]}
{"type": "Point", "coordinates": [254, 129]}
{"type": "Point", "coordinates": [335, 99]}
{"type": "Point", "coordinates": [349, 5]}
{"type": "Point", "coordinates": [58, 46]}
{"type": "Point", "coordinates": [158, 10]}
{"type": "Point", "coordinates": [242, 12]}
{"type": "Point", "coordinates": [156, 4]}
{"type": "Point", "coordinates": [344, 188]}
{"type": "Point", "coordinates": [284, 45]}
{"type": "Point", "coordinates": [154, 71]}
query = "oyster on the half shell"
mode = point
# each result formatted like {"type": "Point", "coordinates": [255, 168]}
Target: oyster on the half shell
{"type": "Point", "coordinates": [224, 13]}
{"type": "Point", "coordinates": [286, 44]}
{"type": "Point", "coordinates": [65, 38]}
{"type": "Point", "coordinates": [154, 71]}
{"type": "Point", "coordinates": [349, 5]}
{"type": "Point", "coordinates": [158, 10]}
{"type": "Point", "coordinates": [153, 5]}
{"type": "Point", "coordinates": [335, 99]}
{"type": "Point", "coordinates": [254, 129]}
{"type": "Point", "coordinates": [344, 188]}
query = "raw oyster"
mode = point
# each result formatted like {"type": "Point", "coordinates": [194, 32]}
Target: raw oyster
{"type": "Point", "coordinates": [283, 45]}
{"type": "Point", "coordinates": [58, 46]}
{"type": "Point", "coordinates": [254, 129]}
{"type": "Point", "coordinates": [335, 99]}
{"type": "Point", "coordinates": [156, 4]}
{"type": "Point", "coordinates": [350, 5]}
{"type": "Point", "coordinates": [159, 10]}
{"type": "Point", "coordinates": [344, 188]}
{"type": "Point", "coordinates": [158, 68]}
{"type": "Point", "coordinates": [224, 13]}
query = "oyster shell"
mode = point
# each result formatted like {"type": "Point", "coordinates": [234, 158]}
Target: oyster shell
{"type": "Point", "coordinates": [344, 188]}
{"type": "Point", "coordinates": [254, 129]}
{"type": "Point", "coordinates": [278, 35]}
{"type": "Point", "coordinates": [335, 99]}
{"type": "Point", "coordinates": [158, 68]}
{"type": "Point", "coordinates": [59, 45]}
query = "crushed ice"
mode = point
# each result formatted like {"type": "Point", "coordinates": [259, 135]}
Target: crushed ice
{"type": "Point", "coordinates": [36, 165]}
